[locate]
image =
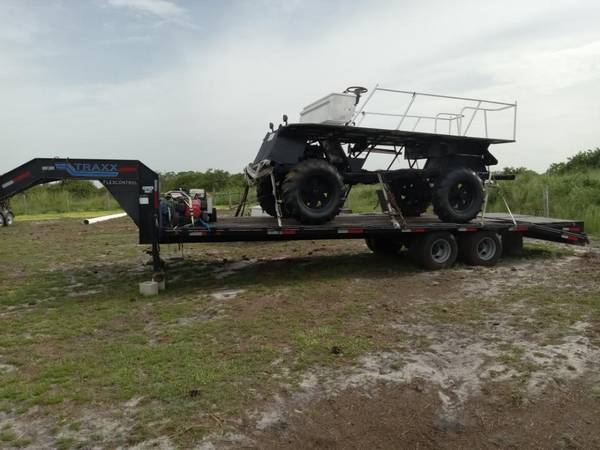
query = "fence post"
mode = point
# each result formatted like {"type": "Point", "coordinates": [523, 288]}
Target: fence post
{"type": "Point", "coordinates": [546, 202]}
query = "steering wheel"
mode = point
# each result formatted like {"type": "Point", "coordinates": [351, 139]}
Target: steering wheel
{"type": "Point", "coordinates": [357, 91]}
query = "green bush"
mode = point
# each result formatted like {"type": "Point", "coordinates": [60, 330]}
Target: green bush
{"type": "Point", "coordinates": [212, 180]}
{"type": "Point", "coordinates": [582, 161]}
{"type": "Point", "coordinates": [573, 191]}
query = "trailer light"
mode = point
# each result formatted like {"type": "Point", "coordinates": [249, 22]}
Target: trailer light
{"type": "Point", "coordinates": [569, 238]}
{"type": "Point", "coordinates": [350, 230]}
{"type": "Point", "coordinates": [22, 176]}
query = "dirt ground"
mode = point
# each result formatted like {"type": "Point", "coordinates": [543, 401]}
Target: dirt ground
{"type": "Point", "coordinates": [502, 382]}
{"type": "Point", "coordinates": [292, 345]}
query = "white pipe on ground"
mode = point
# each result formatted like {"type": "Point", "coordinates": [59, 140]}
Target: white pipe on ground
{"type": "Point", "coordinates": [103, 218]}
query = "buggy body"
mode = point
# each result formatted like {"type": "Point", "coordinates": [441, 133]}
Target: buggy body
{"type": "Point", "coordinates": [307, 169]}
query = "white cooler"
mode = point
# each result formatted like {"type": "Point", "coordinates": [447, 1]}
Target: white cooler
{"type": "Point", "coordinates": [333, 109]}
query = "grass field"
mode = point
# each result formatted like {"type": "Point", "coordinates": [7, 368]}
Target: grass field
{"type": "Point", "coordinates": [85, 361]}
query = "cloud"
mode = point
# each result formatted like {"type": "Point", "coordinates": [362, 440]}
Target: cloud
{"type": "Point", "coordinates": [160, 8]}
{"type": "Point", "coordinates": [202, 100]}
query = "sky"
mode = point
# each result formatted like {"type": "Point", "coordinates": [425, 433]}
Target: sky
{"type": "Point", "coordinates": [192, 85]}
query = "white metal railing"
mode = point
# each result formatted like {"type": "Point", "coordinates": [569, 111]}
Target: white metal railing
{"type": "Point", "coordinates": [460, 123]}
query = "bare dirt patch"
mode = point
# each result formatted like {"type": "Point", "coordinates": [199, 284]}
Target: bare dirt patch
{"type": "Point", "coordinates": [473, 383]}
{"type": "Point", "coordinates": [390, 416]}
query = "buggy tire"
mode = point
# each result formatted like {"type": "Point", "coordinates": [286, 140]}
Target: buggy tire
{"type": "Point", "coordinates": [481, 248]}
{"type": "Point", "coordinates": [313, 192]}
{"type": "Point", "coordinates": [264, 195]}
{"type": "Point", "coordinates": [413, 197]}
{"type": "Point", "coordinates": [512, 244]}
{"type": "Point", "coordinates": [458, 196]}
{"type": "Point", "coordinates": [435, 251]}
{"type": "Point", "coordinates": [383, 246]}
{"type": "Point", "coordinates": [2, 221]}
{"type": "Point", "coordinates": [9, 219]}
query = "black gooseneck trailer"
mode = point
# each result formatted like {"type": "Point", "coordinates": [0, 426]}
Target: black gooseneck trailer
{"type": "Point", "coordinates": [433, 243]}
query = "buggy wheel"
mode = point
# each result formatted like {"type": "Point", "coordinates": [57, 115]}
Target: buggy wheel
{"type": "Point", "coordinates": [482, 248]}
{"type": "Point", "coordinates": [413, 197]}
{"type": "Point", "coordinates": [383, 246]}
{"type": "Point", "coordinates": [313, 192]}
{"type": "Point", "coordinates": [458, 196]}
{"type": "Point", "coordinates": [435, 251]}
{"type": "Point", "coordinates": [264, 195]}
{"type": "Point", "coordinates": [2, 221]}
{"type": "Point", "coordinates": [9, 219]}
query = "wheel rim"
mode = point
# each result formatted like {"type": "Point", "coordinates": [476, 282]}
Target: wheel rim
{"type": "Point", "coordinates": [316, 192]}
{"type": "Point", "coordinates": [486, 249]}
{"type": "Point", "coordinates": [1, 220]}
{"type": "Point", "coordinates": [9, 219]}
{"type": "Point", "coordinates": [441, 251]}
{"type": "Point", "coordinates": [412, 196]}
{"type": "Point", "coordinates": [461, 196]}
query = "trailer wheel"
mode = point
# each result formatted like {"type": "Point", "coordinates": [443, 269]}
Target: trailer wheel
{"type": "Point", "coordinates": [2, 221]}
{"type": "Point", "coordinates": [313, 192]}
{"type": "Point", "coordinates": [512, 243]}
{"type": "Point", "coordinates": [264, 195]}
{"type": "Point", "coordinates": [413, 197]}
{"type": "Point", "coordinates": [482, 248]}
{"type": "Point", "coordinates": [458, 196]}
{"type": "Point", "coordinates": [383, 246]}
{"type": "Point", "coordinates": [9, 219]}
{"type": "Point", "coordinates": [435, 251]}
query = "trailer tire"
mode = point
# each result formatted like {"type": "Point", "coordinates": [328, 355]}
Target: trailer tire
{"type": "Point", "coordinates": [9, 219]}
{"type": "Point", "coordinates": [2, 221]}
{"type": "Point", "coordinates": [383, 246]}
{"type": "Point", "coordinates": [481, 248]}
{"type": "Point", "coordinates": [435, 251]}
{"type": "Point", "coordinates": [313, 192]}
{"type": "Point", "coordinates": [264, 195]}
{"type": "Point", "coordinates": [512, 243]}
{"type": "Point", "coordinates": [458, 196]}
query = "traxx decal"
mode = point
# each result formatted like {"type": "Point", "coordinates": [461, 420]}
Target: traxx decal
{"type": "Point", "coordinates": [89, 170]}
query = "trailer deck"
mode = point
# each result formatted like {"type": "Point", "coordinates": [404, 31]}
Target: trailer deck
{"type": "Point", "coordinates": [360, 226]}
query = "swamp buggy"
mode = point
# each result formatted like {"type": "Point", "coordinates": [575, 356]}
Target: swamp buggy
{"type": "Point", "coordinates": [306, 170]}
